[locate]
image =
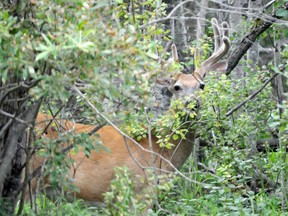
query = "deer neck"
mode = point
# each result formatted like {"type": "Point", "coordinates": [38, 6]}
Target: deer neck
{"type": "Point", "coordinates": [183, 147]}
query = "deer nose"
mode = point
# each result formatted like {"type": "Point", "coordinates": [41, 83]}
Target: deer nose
{"type": "Point", "coordinates": [177, 88]}
{"type": "Point", "coordinates": [202, 85]}
{"type": "Point", "coordinates": [196, 105]}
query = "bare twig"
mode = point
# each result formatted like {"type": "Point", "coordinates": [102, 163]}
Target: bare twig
{"type": "Point", "coordinates": [27, 169]}
{"type": "Point", "coordinates": [168, 16]}
{"type": "Point", "coordinates": [230, 9]}
{"type": "Point", "coordinates": [251, 96]}
{"type": "Point", "coordinates": [21, 85]}
{"type": "Point", "coordinates": [5, 127]}
{"type": "Point", "coordinates": [13, 117]}
{"type": "Point", "coordinates": [268, 4]}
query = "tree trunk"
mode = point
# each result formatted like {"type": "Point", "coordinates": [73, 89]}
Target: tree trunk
{"type": "Point", "coordinates": [15, 118]}
{"type": "Point", "coordinates": [17, 112]}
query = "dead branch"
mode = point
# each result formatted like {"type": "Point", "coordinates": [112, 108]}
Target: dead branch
{"type": "Point", "coordinates": [249, 39]}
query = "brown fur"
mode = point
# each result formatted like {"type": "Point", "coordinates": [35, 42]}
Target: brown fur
{"type": "Point", "coordinates": [94, 174]}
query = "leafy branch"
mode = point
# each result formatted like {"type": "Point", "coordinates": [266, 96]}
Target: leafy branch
{"type": "Point", "coordinates": [250, 97]}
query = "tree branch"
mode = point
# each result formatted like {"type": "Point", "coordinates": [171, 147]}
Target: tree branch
{"type": "Point", "coordinates": [250, 38]}
{"type": "Point", "coordinates": [19, 86]}
{"type": "Point", "coordinates": [251, 96]}
{"type": "Point", "coordinates": [16, 131]}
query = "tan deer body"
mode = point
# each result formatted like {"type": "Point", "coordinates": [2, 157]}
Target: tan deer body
{"type": "Point", "coordinates": [93, 175]}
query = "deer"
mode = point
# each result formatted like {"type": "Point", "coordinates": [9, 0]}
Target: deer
{"type": "Point", "coordinates": [93, 174]}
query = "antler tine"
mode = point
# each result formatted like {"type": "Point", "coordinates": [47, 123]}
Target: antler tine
{"type": "Point", "coordinates": [218, 54]}
{"type": "Point", "coordinates": [174, 53]}
{"type": "Point", "coordinates": [173, 58]}
{"type": "Point", "coordinates": [225, 29]}
{"type": "Point", "coordinates": [217, 34]}
{"type": "Point", "coordinates": [220, 47]}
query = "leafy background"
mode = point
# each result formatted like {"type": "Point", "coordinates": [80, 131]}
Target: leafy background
{"type": "Point", "coordinates": [108, 50]}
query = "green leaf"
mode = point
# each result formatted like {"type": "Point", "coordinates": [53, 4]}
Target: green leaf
{"type": "Point", "coordinates": [24, 74]}
{"type": "Point", "coordinates": [175, 137]}
{"type": "Point", "coordinates": [31, 71]}
{"type": "Point", "coordinates": [282, 12]}
{"type": "Point", "coordinates": [47, 40]}
{"type": "Point", "coordinates": [87, 152]}
{"type": "Point", "coordinates": [4, 76]}
{"type": "Point", "coordinates": [82, 24]}
{"type": "Point", "coordinates": [42, 55]}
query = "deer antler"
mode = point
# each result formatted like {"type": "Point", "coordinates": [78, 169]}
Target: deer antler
{"type": "Point", "coordinates": [174, 53]}
{"type": "Point", "coordinates": [173, 58]}
{"type": "Point", "coordinates": [221, 43]}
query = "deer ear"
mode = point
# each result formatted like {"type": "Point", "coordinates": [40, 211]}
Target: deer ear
{"type": "Point", "coordinates": [164, 82]}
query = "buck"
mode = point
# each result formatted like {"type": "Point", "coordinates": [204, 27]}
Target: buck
{"type": "Point", "coordinates": [92, 175]}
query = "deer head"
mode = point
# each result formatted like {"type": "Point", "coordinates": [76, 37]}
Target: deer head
{"type": "Point", "coordinates": [184, 86]}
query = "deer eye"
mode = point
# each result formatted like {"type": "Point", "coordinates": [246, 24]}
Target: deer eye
{"type": "Point", "coordinates": [177, 88]}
